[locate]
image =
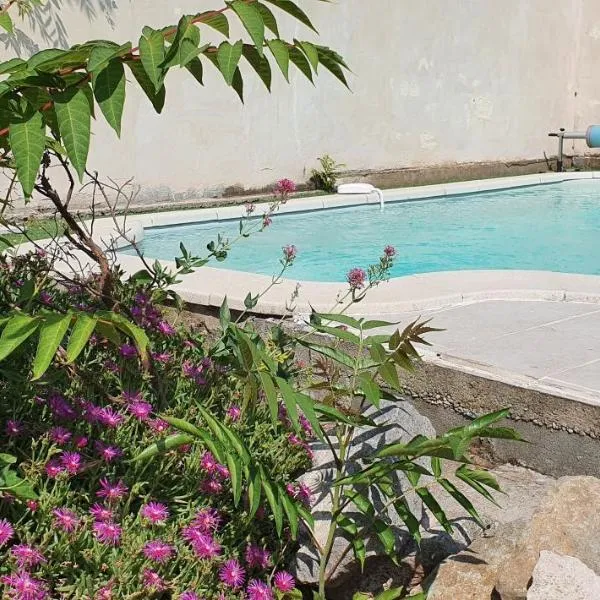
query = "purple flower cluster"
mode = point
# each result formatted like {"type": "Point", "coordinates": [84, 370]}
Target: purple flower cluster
{"type": "Point", "coordinates": [197, 372]}
{"type": "Point", "coordinates": [300, 492]}
{"type": "Point", "coordinates": [215, 475]}
{"type": "Point", "coordinates": [356, 278]}
{"type": "Point", "coordinates": [200, 533]}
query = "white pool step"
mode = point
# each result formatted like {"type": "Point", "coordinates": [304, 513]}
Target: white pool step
{"type": "Point", "coordinates": [361, 188]}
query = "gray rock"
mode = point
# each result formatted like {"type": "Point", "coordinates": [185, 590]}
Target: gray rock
{"type": "Point", "coordinates": [398, 422]}
{"type": "Point", "coordinates": [557, 577]}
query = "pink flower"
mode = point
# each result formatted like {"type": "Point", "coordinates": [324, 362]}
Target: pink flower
{"type": "Point", "coordinates": [208, 463]}
{"type": "Point", "coordinates": [161, 357]}
{"type": "Point", "coordinates": [108, 453]}
{"type": "Point", "coordinates": [267, 221]}
{"type": "Point", "coordinates": [71, 461]}
{"type": "Point", "coordinates": [165, 328]}
{"type": "Point", "coordinates": [140, 410]}
{"type": "Point", "coordinates": [158, 551]}
{"type": "Point", "coordinates": [61, 408]}
{"type": "Point", "coordinates": [32, 505]}
{"type": "Point", "coordinates": [153, 580]}
{"type": "Point", "coordinates": [109, 417]}
{"type": "Point", "coordinates": [205, 546]}
{"type": "Point", "coordinates": [60, 435]}
{"type": "Point", "coordinates": [210, 485]}
{"type": "Point", "coordinates": [306, 426]}
{"type": "Point", "coordinates": [107, 532]}
{"type": "Point", "coordinates": [101, 513]}
{"type": "Point", "coordinates": [232, 574]}
{"type": "Point", "coordinates": [289, 253]}
{"type": "Point", "coordinates": [356, 278]}
{"type": "Point", "coordinates": [54, 468]}
{"type": "Point", "coordinates": [104, 593]}
{"type": "Point", "coordinates": [257, 590]}
{"type": "Point", "coordinates": [27, 556]}
{"type": "Point", "coordinates": [45, 298]}
{"type": "Point", "coordinates": [158, 425]}
{"type": "Point", "coordinates": [80, 441]}
{"type": "Point", "coordinates": [65, 519]}
{"type": "Point", "coordinates": [285, 186]}
{"type": "Point", "coordinates": [189, 595]}
{"type": "Point", "coordinates": [234, 413]}
{"type": "Point", "coordinates": [207, 520]}
{"type": "Point", "coordinates": [284, 582]}
{"type": "Point", "coordinates": [155, 512]}
{"type": "Point", "coordinates": [6, 532]}
{"type": "Point", "coordinates": [128, 351]}
{"type": "Point", "coordinates": [13, 428]}
{"type": "Point", "coordinates": [257, 556]}
{"type": "Point", "coordinates": [301, 492]}
{"type": "Point", "coordinates": [22, 586]}
{"type": "Point", "coordinates": [389, 251]}
{"type": "Point", "coordinates": [111, 491]}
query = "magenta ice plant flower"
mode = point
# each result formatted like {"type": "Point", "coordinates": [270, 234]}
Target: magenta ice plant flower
{"type": "Point", "coordinates": [6, 532]}
{"type": "Point", "coordinates": [257, 557]}
{"type": "Point", "coordinates": [65, 519]}
{"type": "Point", "coordinates": [155, 512]}
{"type": "Point", "coordinates": [27, 556]}
{"type": "Point", "coordinates": [111, 492]}
{"type": "Point", "coordinates": [284, 582]}
{"type": "Point", "coordinates": [108, 453]}
{"type": "Point", "coordinates": [153, 580]}
{"type": "Point", "coordinates": [60, 435]}
{"type": "Point", "coordinates": [13, 428]}
{"type": "Point", "coordinates": [128, 351]}
{"type": "Point", "coordinates": [165, 328]}
{"type": "Point", "coordinates": [207, 520]}
{"type": "Point", "coordinates": [258, 590]}
{"type": "Point", "coordinates": [232, 574]}
{"type": "Point", "coordinates": [22, 586]}
{"type": "Point", "coordinates": [158, 551]}
{"type": "Point", "coordinates": [107, 532]}
{"type": "Point", "coordinates": [101, 513]}
{"type": "Point", "coordinates": [234, 413]}
{"type": "Point", "coordinates": [189, 595]}
{"type": "Point", "coordinates": [140, 409]}
{"type": "Point", "coordinates": [72, 462]}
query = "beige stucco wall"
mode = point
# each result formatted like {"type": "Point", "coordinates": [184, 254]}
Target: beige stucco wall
{"type": "Point", "coordinates": [434, 81]}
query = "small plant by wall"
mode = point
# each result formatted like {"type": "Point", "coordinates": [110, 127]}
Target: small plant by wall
{"type": "Point", "coordinates": [326, 177]}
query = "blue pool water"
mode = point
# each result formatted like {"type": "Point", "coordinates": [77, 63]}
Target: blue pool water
{"type": "Point", "coordinates": [552, 227]}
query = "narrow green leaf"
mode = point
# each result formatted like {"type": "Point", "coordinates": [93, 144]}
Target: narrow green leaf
{"type": "Point", "coordinates": [52, 331]}
{"type": "Point", "coordinates": [310, 50]}
{"type": "Point", "coordinates": [273, 500]}
{"type": "Point", "coordinates": [386, 536]}
{"type": "Point", "coordinates": [259, 63]}
{"type": "Point", "coordinates": [164, 445]}
{"type": "Point", "coordinates": [291, 511]}
{"type": "Point", "coordinates": [294, 10]}
{"type": "Point", "coordinates": [16, 331]}
{"type": "Point", "coordinates": [194, 66]}
{"type": "Point", "coordinates": [301, 62]}
{"type": "Point", "coordinates": [74, 121]}
{"type": "Point", "coordinates": [109, 331]}
{"type": "Point", "coordinates": [481, 423]}
{"type": "Point", "coordinates": [377, 324]}
{"type": "Point", "coordinates": [392, 594]}
{"type": "Point", "coordinates": [254, 490]}
{"type": "Point", "coordinates": [328, 58]}
{"type": "Point", "coordinates": [338, 332]}
{"type": "Point", "coordinates": [389, 374]}
{"type": "Point", "coordinates": [461, 499]}
{"type": "Point", "coordinates": [289, 399]}
{"type": "Point", "coordinates": [336, 318]}
{"type": "Point", "coordinates": [235, 474]}
{"type": "Point", "coordinates": [370, 388]}
{"type": "Point", "coordinates": [109, 91]}
{"type": "Point", "coordinates": [268, 18]}
{"type": "Point", "coordinates": [152, 54]}
{"type": "Point", "coordinates": [156, 98]}
{"type": "Point", "coordinates": [81, 333]}
{"type": "Point", "coordinates": [228, 57]}
{"type": "Point", "coordinates": [360, 553]}
{"type": "Point", "coordinates": [433, 505]}
{"type": "Point", "coordinates": [238, 84]}
{"type": "Point", "coordinates": [12, 66]}
{"type": "Point", "coordinates": [333, 353]}
{"type": "Point", "coordinates": [280, 52]}
{"type": "Point", "coordinates": [252, 20]}
{"type": "Point", "coordinates": [307, 406]}
{"type": "Point", "coordinates": [27, 140]}
{"type": "Point", "coordinates": [217, 21]}
{"type": "Point", "coordinates": [6, 22]}
{"type": "Point", "coordinates": [411, 522]}
{"type": "Point", "coordinates": [271, 394]}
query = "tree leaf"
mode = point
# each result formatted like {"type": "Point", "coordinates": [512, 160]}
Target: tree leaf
{"type": "Point", "coordinates": [27, 140]}
{"type": "Point", "coordinates": [164, 445]}
{"type": "Point", "coordinates": [311, 52]}
{"type": "Point", "coordinates": [238, 84]}
{"type": "Point", "coordinates": [433, 505]}
{"type": "Point", "coordinates": [254, 490]}
{"type": "Point", "coordinates": [16, 331]}
{"type": "Point", "coordinates": [329, 352]}
{"type": "Point", "coordinates": [6, 22]}
{"type": "Point", "coordinates": [103, 53]}
{"type": "Point", "coordinates": [228, 57]}
{"type": "Point", "coordinates": [152, 54]}
{"type": "Point", "coordinates": [52, 331]}
{"type": "Point", "coordinates": [12, 66]}
{"type": "Point", "coordinates": [109, 91]}
{"type": "Point", "coordinates": [157, 98]}
{"type": "Point", "coordinates": [301, 62]}
{"type": "Point", "coordinates": [271, 394]}
{"type": "Point", "coordinates": [252, 20]}
{"type": "Point", "coordinates": [272, 497]}
{"type": "Point", "coordinates": [282, 56]}
{"type": "Point", "coordinates": [216, 20]}
{"type": "Point", "coordinates": [370, 388]}
{"type": "Point", "coordinates": [194, 66]}
{"type": "Point", "coordinates": [259, 63]}
{"type": "Point", "coordinates": [268, 18]}
{"type": "Point", "coordinates": [185, 44]}
{"type": "Point", "coordinates": [336, 318]}
{"type": "Point", "coordinates": [74, 121]}
{"type": "Point", "coordinates": [293, 9]}
{"type": "Point", "coordinates": [81, 333]}
{"type": "Point", "coordinates": [289, 400]}
{"type": "Point", "coordinates": [291, 511]}
{"type": "Point", "coordinates": [328, 58]}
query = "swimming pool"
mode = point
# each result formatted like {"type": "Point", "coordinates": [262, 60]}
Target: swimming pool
{"type": "Point", "coordinates": [551, 227]}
